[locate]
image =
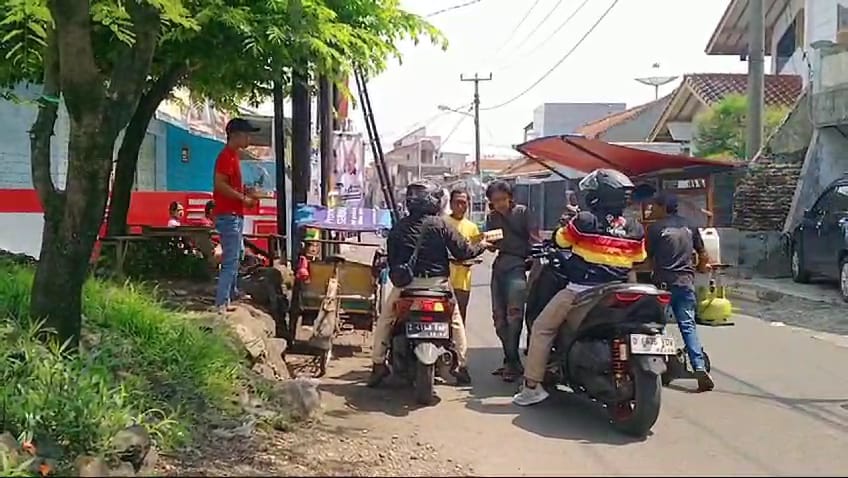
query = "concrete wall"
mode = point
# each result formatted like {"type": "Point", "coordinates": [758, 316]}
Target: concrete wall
{"type": "Point", "coordinates": [827, 160]}
{"type": "Point", "coordinates": [17, 118]}
{"type": "Point", "coordinates": [563, 118]}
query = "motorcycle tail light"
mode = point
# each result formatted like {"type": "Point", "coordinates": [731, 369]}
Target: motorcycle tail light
{"type": "Point", "coordinates": [403, 306]}
{"type": "Point", "coordinates": [423, 305]}
{"type": "Point", "coordinates": [664, 299]}
{"type": "Point", "coordinates": [627, 297]}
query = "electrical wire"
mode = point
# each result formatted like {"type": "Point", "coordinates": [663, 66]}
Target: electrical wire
{"type": "Point", "coordinates": [452, 8]}
{"type": "Point", "coordinates": [455, 127]}
{"type": "Point", "coordinates": [549, 37]}
{"type": "Point", "coordinates": [558, 63]}
{"type": "Point", "coordinates": [533, 30]}
{"type": "Point", "coordinates": [515, 30]}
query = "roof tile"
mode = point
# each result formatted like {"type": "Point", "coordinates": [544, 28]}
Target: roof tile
{"type": "Point", "coordinates": [599, 127]}
{"type": "Point", "coordinates": [780, 90]}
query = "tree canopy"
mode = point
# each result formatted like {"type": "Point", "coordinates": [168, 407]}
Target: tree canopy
{"type": "Point", "coordinates": [721, 131]}
{"type": "Point", "coordinates": [227, 50]}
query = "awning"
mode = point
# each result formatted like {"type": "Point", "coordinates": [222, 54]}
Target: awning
{"type": "Point", "coordinates": [584, 154]}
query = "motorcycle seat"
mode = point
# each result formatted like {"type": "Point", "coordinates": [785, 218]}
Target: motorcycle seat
{"type": "Point", "coordinates": [426, 294]}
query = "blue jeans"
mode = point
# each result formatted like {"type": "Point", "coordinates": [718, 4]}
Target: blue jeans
{"type": "Point", "coordinates": [509, 294]}
{"type": "Point", "coordinates": [230, 229]}
{"type": "Point", "coordinates": [683, 302]}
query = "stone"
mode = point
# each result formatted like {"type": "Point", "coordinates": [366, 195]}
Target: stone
{"type": "Point", "coordinates": [301, 396]}
{"type": "Point", "coordinates": [255, 329]}
{"type": "Point", "coordinates": [132, 445]}
{"type": "Point", "coordinates": [90, 466]}
{"type": "Point", "coordinates": [9, 446]}
{"type": "Point", "coordinates": [123, 469]}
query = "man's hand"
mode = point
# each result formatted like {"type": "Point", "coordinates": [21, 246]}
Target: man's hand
{"type": "Point", "coordinates": [249, 201]}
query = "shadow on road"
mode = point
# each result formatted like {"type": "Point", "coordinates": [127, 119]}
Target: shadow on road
{"type": "Point", "coordinates": [391, 397]}
{"type": "Point", "coordinates": [564, 416]}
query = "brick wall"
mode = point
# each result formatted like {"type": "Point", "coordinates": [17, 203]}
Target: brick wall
{"type": "Point", "coordinates": [765, 190]}
{"type": "Point", "coordinates": [764, 194]}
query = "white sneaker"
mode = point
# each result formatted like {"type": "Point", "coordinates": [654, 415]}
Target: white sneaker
{"type": "Point", "coordinates": [530, 396]}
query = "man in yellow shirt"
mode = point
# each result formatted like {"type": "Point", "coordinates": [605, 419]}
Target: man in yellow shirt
{"type": "Point", "coordinates": [460, 276]}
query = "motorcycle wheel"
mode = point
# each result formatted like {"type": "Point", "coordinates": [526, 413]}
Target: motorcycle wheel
{"type": "Point", "coordinates": [425, 376]}
{"type": "Point", "coordinates": [637, 417]}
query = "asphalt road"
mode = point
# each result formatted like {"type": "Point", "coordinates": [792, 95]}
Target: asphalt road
{"type": "Point", "coordinates": [780, 408]}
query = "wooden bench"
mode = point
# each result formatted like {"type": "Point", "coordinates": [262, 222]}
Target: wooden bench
{"type": "Point", "coordinates": [121, 244]}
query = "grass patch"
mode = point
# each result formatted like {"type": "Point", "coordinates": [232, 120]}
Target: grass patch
{"type": "Point", "coordinates": [139, 363]}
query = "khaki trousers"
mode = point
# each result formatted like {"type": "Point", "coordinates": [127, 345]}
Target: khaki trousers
{"type": "Point", "coordinates": [544, 332]}
{"type": "Point", "coordinates": [386, 321]}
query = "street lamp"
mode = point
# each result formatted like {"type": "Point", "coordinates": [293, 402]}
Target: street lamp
{"type": "Point", "coordinates": [448, 108]}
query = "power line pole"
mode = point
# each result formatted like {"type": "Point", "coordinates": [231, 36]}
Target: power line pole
{"type": "Point", "coordinates": [756, 80]}
{"type": "Point", "coordinates": [476, 79]}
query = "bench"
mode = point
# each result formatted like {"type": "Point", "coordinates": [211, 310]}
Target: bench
{"type": "Point", "coordinates": [121, 244]}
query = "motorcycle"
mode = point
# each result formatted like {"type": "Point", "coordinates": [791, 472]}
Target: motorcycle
{"type": "Point", "coordinates": [421, 346]}
{"type": "Point", "coordinates": [614, 349]}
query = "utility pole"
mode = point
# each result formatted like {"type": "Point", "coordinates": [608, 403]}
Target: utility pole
{"type": "Point", "coordinates": [756, 80]}
{"type": "Point", "coordinates": [279, 141]}
{"type": "Point", "coordinates": [325, 131]}
{"type": "Point", "coordinates": [476, 79]}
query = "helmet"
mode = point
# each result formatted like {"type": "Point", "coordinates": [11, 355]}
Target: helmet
{"type": "Point", "coordinates": [424, 198]}
{"type": "Point", "coordinates": [606, 190]}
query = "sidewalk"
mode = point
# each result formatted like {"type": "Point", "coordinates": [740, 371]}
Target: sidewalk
{"type": "Point", "coordinates": [772, 290]}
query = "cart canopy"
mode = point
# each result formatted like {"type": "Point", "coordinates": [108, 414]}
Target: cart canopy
{"type": "Point", "coordinates": [584, 154]}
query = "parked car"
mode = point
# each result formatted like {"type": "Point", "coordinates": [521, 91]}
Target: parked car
{"type": "Point", "coordinates": [820, 242]}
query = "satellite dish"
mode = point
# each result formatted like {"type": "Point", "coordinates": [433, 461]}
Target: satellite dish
{"type": "Point", "coordinates": [656, 80]}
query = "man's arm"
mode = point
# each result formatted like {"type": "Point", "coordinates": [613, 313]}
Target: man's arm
{"type": "Point", "coordinates": [458, 246]}
{"type": "Point", "coordinates": [653, 238]}
{"type": "Point", "coordinates": [698, 245]}
{"type": "Point", "coordinates": [222, 185]}
{"type": "Point", "coordinates": [532, 227]}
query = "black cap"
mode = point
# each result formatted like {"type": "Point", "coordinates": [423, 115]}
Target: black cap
{"type": "Point", "coordinates": [240, 125]}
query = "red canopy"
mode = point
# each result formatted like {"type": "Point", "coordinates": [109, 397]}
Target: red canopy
{"type": "Point", "coordinates": [584, 154]}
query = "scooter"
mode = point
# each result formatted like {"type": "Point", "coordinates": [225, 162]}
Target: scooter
{"type": "Point", "coordinates": [612, 348]}
{"type": "Point", "coordinates": [421, 345]}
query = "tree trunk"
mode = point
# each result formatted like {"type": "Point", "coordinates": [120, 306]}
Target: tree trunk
{"type": "Point", "coordinates": [127, 162]}
{"type": "Point", "coordinates": [69, 234]}
{"type": "Point", "coordinates": [98, 109]}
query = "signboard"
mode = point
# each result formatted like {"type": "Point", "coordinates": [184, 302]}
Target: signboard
{"type": "Point", "coordinates": [353, 219]}
{"type": "Point", "coordinates": [348, 177]}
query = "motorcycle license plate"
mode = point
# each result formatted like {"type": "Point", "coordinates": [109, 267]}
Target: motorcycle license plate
{"type": "Point", "coordinates": [652, 345]}
{"type": "Point", "coordinates": [427, 330]}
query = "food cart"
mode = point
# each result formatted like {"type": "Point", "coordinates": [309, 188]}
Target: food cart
{"type": "Point", "coordinates": [690, 178]}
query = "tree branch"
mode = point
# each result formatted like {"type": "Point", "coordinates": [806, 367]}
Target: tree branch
{"type": "Point", "coordinates": [42, 127]}
{"type": "Point", "coordinates": [81, 81]}
{"type": "Point", "coordinates": [130, 72]}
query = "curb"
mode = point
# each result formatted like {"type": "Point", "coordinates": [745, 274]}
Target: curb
{"type": "Point", "coordinates": [763, 295]}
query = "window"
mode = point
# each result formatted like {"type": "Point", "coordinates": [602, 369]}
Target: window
{"type": "Point", "coordinates": [822, 206]}
{"type": "Point", "coordinates": [840, 200]}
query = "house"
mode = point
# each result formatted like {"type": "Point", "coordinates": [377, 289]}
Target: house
{"type": "Point", "coordinates": [633, 124]}
{"type": "Point", "coordinates": [805, 38]}
{"type": "Point", "coordinates": [791, 26]}
{"type": "Point", "coordinates": [629, 127]}
{"type": "Point", "coordinates": [698, 92]}
{"type": "Point", "coordinates": [419, 155]}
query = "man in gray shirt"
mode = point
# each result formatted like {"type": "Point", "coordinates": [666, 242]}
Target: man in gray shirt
{"type": "Point", "coordinates": [509, 277]}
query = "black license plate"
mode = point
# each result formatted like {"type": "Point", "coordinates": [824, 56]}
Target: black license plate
{"type": "Point", "coordinates": [427, 330]}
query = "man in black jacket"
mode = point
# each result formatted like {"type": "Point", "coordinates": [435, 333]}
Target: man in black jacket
{"type": "Point", "coordinates": [437, 242]}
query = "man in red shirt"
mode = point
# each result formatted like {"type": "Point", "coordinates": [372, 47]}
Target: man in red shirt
{"type": "Point", "coordinates": [231, 198]}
